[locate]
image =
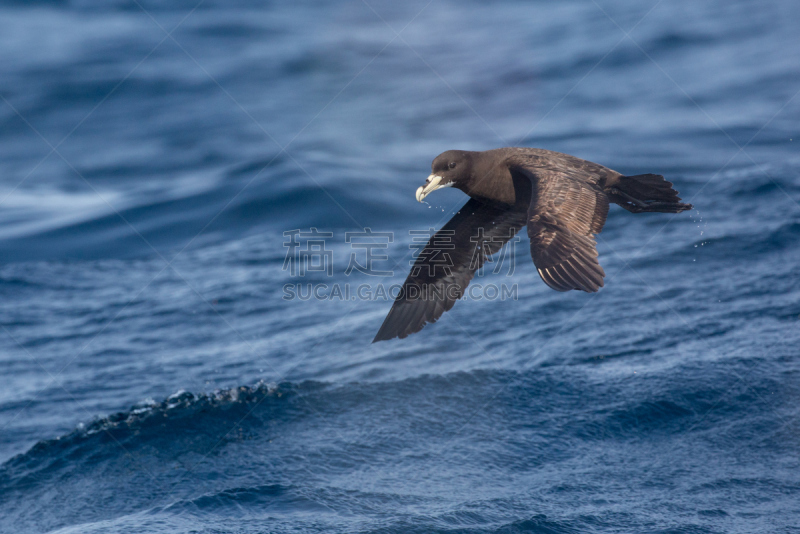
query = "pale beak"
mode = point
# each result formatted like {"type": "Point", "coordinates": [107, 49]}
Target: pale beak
{"type": "Point", "coordinates": [431, 185]}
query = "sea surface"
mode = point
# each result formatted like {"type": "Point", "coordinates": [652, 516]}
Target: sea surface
{"type": "Point", "coordinates": [157, 377]}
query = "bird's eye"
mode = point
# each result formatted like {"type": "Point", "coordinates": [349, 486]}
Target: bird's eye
{"type": "Point", "coordinates": [452, 165]}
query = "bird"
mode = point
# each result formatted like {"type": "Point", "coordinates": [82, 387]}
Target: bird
{"type": "Point", "coordinates": [563, 200]}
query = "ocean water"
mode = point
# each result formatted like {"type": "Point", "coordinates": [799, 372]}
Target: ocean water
{"type": "Point", "coordinates": [155, 379]}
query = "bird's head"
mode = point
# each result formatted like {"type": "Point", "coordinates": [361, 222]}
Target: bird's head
{"type": "Point", "coordinates": [451, 168]}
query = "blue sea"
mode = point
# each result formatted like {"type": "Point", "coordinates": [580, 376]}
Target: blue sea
{"type": "Point", "coordinates": [157, 377]}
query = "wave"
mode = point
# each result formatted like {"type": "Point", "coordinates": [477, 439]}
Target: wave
{"type": "Point", "coordinates": [226, 210]}
{"type": "Point", "coordinates": [297, 450]}
{"type": "Point", "coordinates": [654, 404]}
{"type": "Point", "coordinates": [180, 412]}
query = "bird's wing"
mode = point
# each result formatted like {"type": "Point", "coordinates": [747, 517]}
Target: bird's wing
{"type": "Point", "coordinates": [567, 209]}
{"type": "Point", "coordinates": [444, 268]}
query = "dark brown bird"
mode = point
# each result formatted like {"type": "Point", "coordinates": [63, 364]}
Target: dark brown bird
{"type": "Point", "coordinates": [562, 199]}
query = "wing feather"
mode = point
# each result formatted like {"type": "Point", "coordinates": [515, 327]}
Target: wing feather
{"type": "Point", "coordinates": [568, 207]}
{"type": "Point", "coordinates": [477, 231]}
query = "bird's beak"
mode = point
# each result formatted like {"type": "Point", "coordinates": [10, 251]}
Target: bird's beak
{"type": "Point", "coordinates": [431, 184]}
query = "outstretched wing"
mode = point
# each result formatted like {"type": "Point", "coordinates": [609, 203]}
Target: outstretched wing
{"type": "Point", "coordinates": [446, 265]}
{"type": "Point", "coordinates": [567, 209]}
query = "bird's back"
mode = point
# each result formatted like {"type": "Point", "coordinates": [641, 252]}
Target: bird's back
{"type": "Point", "coordinates": [557, 162]}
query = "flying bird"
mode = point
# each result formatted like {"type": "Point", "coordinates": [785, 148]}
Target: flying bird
{"type": "Point", "coordinates": [563, 200]}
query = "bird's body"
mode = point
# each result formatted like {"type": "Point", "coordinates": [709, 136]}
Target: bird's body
{"type": "Point", "coordinates": [562, 199]}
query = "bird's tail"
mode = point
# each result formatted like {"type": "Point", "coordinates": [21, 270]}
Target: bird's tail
{"type": "Point", "coordinates": [645, 193]}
